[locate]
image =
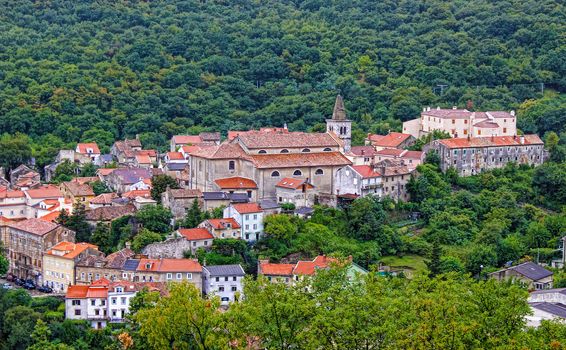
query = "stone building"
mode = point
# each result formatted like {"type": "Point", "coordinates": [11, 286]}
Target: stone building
{"type": "Point", "coordinates": [91, 268]}
{"type": "Point", "coordinates": [340, 125]}
{"type": "Point", "coordinates": [532, 275]}
{"type": "Point", "coordinates": [74, 191]}
{"type": "Point", "coordinates": [28, 240]}
{"type": "Point", "coordinates": [179, 200]}
{"type": "Point", "coordinates": [169, 270]}
{"type": "Point", "coordinates": [59, 263]}
{"type": "Point", "coordinates": [296, 191]}
{"type": "Point", "coordinates": [470, 156]}
{"type": "Point", "coordinates": [393, 140]}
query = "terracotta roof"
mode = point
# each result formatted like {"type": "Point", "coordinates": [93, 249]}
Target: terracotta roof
{"type": "Point", "coordinates": [292, 160]}
{"type": "Point", "coordinates": [109, 213]}
{"type": "Point", "coordinates": [235, 182]}
{"type": "Point", "coordinates": [175, 156]}
{"type": "Point", "coordinates": [491, 141]}
{"type": "Point", "coordinates": [97, 292]}
{"type": "Point", "coordinates": [52, 217]}
{"type": "Point", "coordinates": [310, 267]}
{"type": "Point", "coordinates": [232, 134]}
{"type": "Point", "coordinates": [137, 193]}
{"type": "Point", "coordinates": [246, 208]}
{"type": "Point", "coordinates": [220, 224]}
{"type": "Point", "coordinates": [222, 151]}
{"type": "Point", "coordinates": [35, 226]}
{"type": "Point", "coordinates": [12, 194]}
{"type": "Point", "coordinates": [276, 269]}
{"type": "Point", "coordinates": [117, 259]}
{"type": "Point", "coordinates": [169, 265]}
{"type": "Point", "coordinates": [366, 171]}
{"type": "Point", "coordinates": [47, 191]}
{"type": "Point", "coordinates": [210, 136]}
{"type": "Point", "coordinates": [393, 139]}
{"type": "Point", "coordinates": [78, 189]}
{"type": "Point", "coordinates": [185, 193]}
{"type": "Point", "coordinates": [186, 139]}
{"type": "Point", "coordinates": [69, 250]}
{"type": "Point", "coordinates": [195, 234]}
{"type": "Point", "coordinates": [76, 292]}
{"type": "Point", "coordinates": [413, 154]}
{"type": "Point", "coordinates": [293, 183]}
{"type": "Point", "coordinates": [447, 113]}
{"type": "Point", "coordinates": [258, 139]}
{"type": "Point", "coordinates": [4, 219]}
{"type": "Point", "coordinates": [147, 152]}
{"type": "Point", "coordinates": [487, 124]}
{"type": "Point", "coordinates": [84, 147]}
{"type": "Point", "coordinates": [104, 198]}
{"type": "Point", "coordinates": [105, 171]}
{"type": "Point", "coordinates": [190, 149]}
{"type": "Point", "coordinates": [395, 152]}
{"type": "Point", "coordinates": [143, 159]}
{"type": "Point", "coordinates": [363, 151]}
{"type": "Point", "coordinates": [85, 179]}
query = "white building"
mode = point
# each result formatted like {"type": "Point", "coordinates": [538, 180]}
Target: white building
{"type": "Point", "coordinates": [549, 304]}
{"type": "Point", "coordinates": [250, 218]}
{"type": "Point", "coordinates": [224, 281]}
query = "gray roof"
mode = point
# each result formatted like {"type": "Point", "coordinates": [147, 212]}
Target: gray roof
{"type": "Point", "coordinates": [532, 271]}
{"type": "Point", "coordinates": [233, 197]}
{"type": "Point", "coordinates": [304, 211]}
{"type": "Point", "coordinates": [131, 264]}
{"type": "Point", "coordinates": [550, 291]}
{"type": "Point", "coordinates": [132, 175]}
{"type": "Point", "coordinates": [225, 270]}
{"type": "Point", "coordinates": [556, 309]}
{"type": "Point", "coordinates": [267, 204]}
{"type": "Point", "coordinates": [106, 158]}
{"type": "Point", "coordinates": [176, 166]}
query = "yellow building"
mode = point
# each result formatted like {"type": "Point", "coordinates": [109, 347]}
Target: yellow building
{"type": "Point", "coordinates": [77, 191]}
{"type": "Point", "coordinates": [59, 263]}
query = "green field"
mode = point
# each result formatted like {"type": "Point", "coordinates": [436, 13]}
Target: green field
{"type": "Point", "coordinates": [409, 263]}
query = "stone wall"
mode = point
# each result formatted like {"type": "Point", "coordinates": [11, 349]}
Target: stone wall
{"type": "Point", "coordinates": [171, 248]}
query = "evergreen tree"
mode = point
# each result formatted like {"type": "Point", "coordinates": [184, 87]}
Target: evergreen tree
{"type": "Point", "coordinates": [159, 184]}
{"type": "Point", "coordinates": [194, 216]}
{"type": "Point", "coordinates": [434, 264]}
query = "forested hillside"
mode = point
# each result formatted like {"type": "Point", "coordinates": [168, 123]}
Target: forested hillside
{"type": "Point", "coordinates": [83, 70]}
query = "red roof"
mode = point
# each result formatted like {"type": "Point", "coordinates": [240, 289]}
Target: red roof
{"type": "Point", "coordinates": [186, 139]}
{"type": "Point", "coordinates": [263, 139]}
{"type": "Point", "coordinates": [137, 193]}
{"type": "Point", "coordinates": [104, 198]}
{"type": "Point", "coordinates": [413, 154]}
{"type": "Point", "coordinates": [175, 156]}
{"type": "Point", "coordinates": [393, 139]}
{"type": "Point", "coordinates": [235, 182]}
{"type": "Point", "coordinates": [147, 152]}
{"type": "Point", "coordinates": [69, 250]}
{"type": "Point", "coordinates": [276, 269]}
{"type": "Point", "coordinates": [395, 152]}
{"type": "Point", "coordinates": [220, 224]}
{"type": "Point", "coordinates": [363, 151]}
{"type": "Point", "coordinates": [195, 234]}
{"type": "Point", "coordinates": [84, 148]}
{"type": "Point", "coordinates": [47, 191]}
{"type": "Point", "coordinates": [491, 141]}
{"type": "Point", "coordinates": [293, 183]}
{"type": "Point", "coordinates": [12, 194]}
{"type": "Point", "coordinates": [52, 217]}
{"type": "Point", "coordinates": [366, 171]}
{"type": "Point", "coordinates": [143, 159]}
{"type": "Point", "coordinates": [35, 226]}
{"type": "Point", "coordinates": [105, 171]}
{"type": "Point", "coordinates": [76, 292]}
{"type": "Point", "coordinates": [246, 208]}
{"type": "Point", "coordinates": [310, 267]}
{"type": "Point", "coordinates": [292, 160]}
{"type": "Point", "coordinates": [169, 265]}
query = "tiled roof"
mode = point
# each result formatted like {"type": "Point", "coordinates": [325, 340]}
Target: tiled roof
{"type": "Point", "coordinates": [258, 139]}
{"type": "Point", "coordinates": [232, 134]}
{"type": "Point", "coordinates": [366, 171]}
{"type": "Point", "coordinates": [276, 269]}
{"type": "Point", "coordinates": [47, 191]}
{"type": "Point", "coordinates": [363, 151]}
{"type": "Point", "coordinates": [105, 171]}
{"type": "Point", "coordinates": [393, 139]}
{"type": "Point", "coordinates": [556, 309]}
{"type": "Point", "coordinates": [85, 179]}
{"type": "Point", "coordinates": [132, 175]}
{"type": "Point", "coordinates": [169, 265]}
{"type": "Point", "coordinates": [12, 194]}
{"type": "Point", "coordinates": [222, 151]}
{"type": "Point", "coordinates": [137, 193]}
{"type": "Point", "coordinates": [78, 189]}
{"type": "Point", "coordinates": [69, 250]}
{"type": "Point", "coordinates": [4, 219]}
{"type": "Point", "coordinates": [491, 141]}
{"type": "Point", "coordinates": [175, 156]}
{"type": "Point", "coordinates": [104, 198]}
{"type": "Point", "coordinates": [109, 213]}
{"type": "Point", "coordinates": [390, 167]}
{"type": "Point", "coordinates": [186, 139]}
{"type": "Point", "coordinates": [310, 267]}
{"type": "Point", "coordinates": [51, 217]}
{"type": "Point", "coordinates": [225, 270]}
{"type": "Point", "coordinates": [448, 113]}
{"type": "Point", "coordinates": [235, 182]}
{"type": "Point", "coordinates": [486, 124]}
{"type": "Point", "coordinates": [293, 183]}
{"type": "Point", "coordinates": [220, 224]}
{"type": "Point", "coordinates": [100, 292]}
{"type": "Point", "coordinates": [395, 152]}
{"type": "Point", "coordinates": [84, 147]}
{"type": "Point", "coordinates": [143, 159]}
{"type": "Point", "coordinates": [210, 136]}
{"type": "Point", "coordinates": [147, 152]}
{"type": "Point", "coordinates": [76, 292]}
{"type": "Point", "coordinates": [35, 226]}
{"type": "Point", "coordinates": [292, 160]}
{"type": "Point", "coordinates": [195, 234]}
{"type": "Point", "coordinates": [246, 208]}
{"type": "Point", "coordinates": [413, 154]}
{"type": "Point", "coordinates": [117, 259]}
{"type": "Point", "coordinates": [532, 271]}
{"type": "Point", "coordinates": [185, 193]}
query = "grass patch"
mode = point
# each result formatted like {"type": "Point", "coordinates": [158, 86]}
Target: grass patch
{"type": "Point", "coordinates": [409, 262]}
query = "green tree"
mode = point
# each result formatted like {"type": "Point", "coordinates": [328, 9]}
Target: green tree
{"type": "Point", "coordinates": [280, 226]}
{"type": "Point", "coordinates": [143, 238]}
{"type": "Point", "coordinates": [65, 171]}
{"type": "Point", "coordinates": [434, 264]}
{"type": "Point", "coordinates": [16, 150]}
{"type": "Point", "coordinates": [159, 184]}
{"type": "Point", "coordinates": [194, 215]}
{"type": "Point", "coordinates": [155, 218]}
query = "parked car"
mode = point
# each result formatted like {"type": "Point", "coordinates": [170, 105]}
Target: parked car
{"type": "Point", "coordinates": [19, 282]}
{"type": "Point", "coordinates": [7, 286]}
{"type": "Point", "coordinates": [28, 285]}
{"type": "Point", "coordinates": [45, 289]}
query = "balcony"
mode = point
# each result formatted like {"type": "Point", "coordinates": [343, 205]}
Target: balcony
{"type": "Point", "coordinates": [96, 317]}
{"type": "Point", "coordinates": [372, 186]}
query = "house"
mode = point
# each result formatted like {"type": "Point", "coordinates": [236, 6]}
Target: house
{"type": "Point", "coordinates": [91, 268]}
{"type": "Point", "coordinates": [23, 177]}
{"type": "Point", "coordinates": [169, 270]}
{"type": "Point", "coordinates": [179, 200]}
{"type": "Point", "coordinates": [75, 191]}
{"type": "Point", "coordinates": [59, 263]}
{"type": "Point", "coordinates": [224, 281]}
{"type": "Point", "coordinates": [177, 141]}
{"type": "Point", "coordinates": [411, 159]}
{"type": "Point", "coordinates": [392, 140]}
{"type": "Point", "coordinates": [212, 200]}
{"type": "Point", "coordinates": [532, 275]}
{"type": "Point", "coordinates": [142, 161]}
{"type": "Point", "coordinates": [13, 204]}
{"type": "Point", "coordinates": [361, 155]}
{"type": "Point", "coordinates": [120, 293]}
{"type": "Point", "coordinates": [28, 240]}
{"type": "Point", "coordinates": [462, 123]}
{"type": "Point", "coordinates": [197, 238]}
{"type": "Point", "coordinates": [472, 155]}
{"type": "Point", "coordinates": [238, 184]}
{"type": "Point", "coordinates": [125, 151]}
{"type": "Point", "coordinates": [44, 199]}
{"type": "Point", "coordinates": [547, 304]}
{"type": "Point", "coordinates": [250, 218]}
{"type": "Point", "coordinates": [297, 191]}
{"type": "Point", "coordinates": [87, 152]}
{"type": "Point", "coordinates": [123, 179]}
{"type": "Point", "coordinates": [281, 273]}
{"type": "Point", "coordinates": [222, 228]}
{"type": "Point", "coordinates": [103, 173]}
{"type": "Point", "coordinates": [107, 214]}
{"type": "Point", "coordinates": [102, 200]}
{"type": "Point", "coordinates": [140, 202]}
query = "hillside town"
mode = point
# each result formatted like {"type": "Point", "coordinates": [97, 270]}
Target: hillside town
{"type": "Point", "coordinates": [246, 177]}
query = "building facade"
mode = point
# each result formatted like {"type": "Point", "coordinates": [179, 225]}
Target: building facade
{"type": "Point", "coordinates": [224, 281]}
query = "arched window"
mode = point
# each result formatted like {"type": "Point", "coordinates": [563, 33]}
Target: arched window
{"type": "Point", "coordinates": [297, 173]}
{"type": "Point", "coordinates": [231, 165]}
{"type": "Point", "coordinates": [306, 150]}
{"type": "Point", "coordinates": [262, 151]}
{"type": "Point", "coordinates": [284, 151]}
{"type": "Point", "coordinates": [275, 174]}
{"type": "Point", "coordinates": [319, 172]}
{"type": "Point", "coordinates": [327, 149]}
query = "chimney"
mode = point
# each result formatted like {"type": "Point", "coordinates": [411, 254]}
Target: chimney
{"type": "Point", "coordinates": [137, 136]}
{"type": "Point", "coordinates": [512, 113]}
{"type": "Point", "coordinates": [128, 245]}
{"type": "Point", "coordinates": [424, 109]}
{"type": "Point", "coordinates": [363, 152]}
{"type": "Point", "coordinates": [437, 108]}
{"type": "Point", "coordinates": [454, 107]}
{"type": "Point", "coordinates": [285, 126]}
{"type": "Point", "coordinates": [522, 139]}
{"type": "Point", "coordinates": [428, 108]}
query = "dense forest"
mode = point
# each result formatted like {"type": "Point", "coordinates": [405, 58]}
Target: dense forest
{"type": "Point", "coordinates": [104, 70]}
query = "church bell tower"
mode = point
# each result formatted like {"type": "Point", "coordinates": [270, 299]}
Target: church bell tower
{"type": "Point", "coordinates": [340, 124]}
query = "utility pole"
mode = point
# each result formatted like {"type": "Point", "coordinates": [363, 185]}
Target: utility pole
{"type": "Point", "coordinates": [542, 88]}
{"type": "Point", "coordinates": [442, 86]}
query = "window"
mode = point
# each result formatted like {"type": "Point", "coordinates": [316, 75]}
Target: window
{"type": "Point", "coordinates": [169, 276]}
{"type": "Point", "coordinates": [255, 226]}
{"type": "Point", "coordinates": [262, 151]}
{"type": "Point", "coordinates": [306, 150]}
{"type": "Point", "coordinates": [453, 121]}
{"type": "Point", "coordinates": [284, 151]}
{"type": "Point", "coordinates": [113, 301]}
{"type": "Point", "coordinates": [102, 302]}
{"type": "Point", "coordinates": [179, 276]}
{"type": "Point", "coordinates": [234, 278]}
{"type": "Point", "coordinates": [319, 172]}
{"type": "Point", "coordinates": [119, 289]}
{"type": "Point", "coordinates": [217, 279]}
{"type": "Point", "coordinates": [77, 312]}
{"type": "Point", "coordinates": [466, 121]}
{"type": "Point", "coordinates": [93, 302]}
{"type": "Point", "coordinates": [327, 149]}
{"type": "Point", "coordinates": [297, 173]}
{"type": "Point", "coordinates": [479, 132]}
{"type": "Point", "coordinates": [221, 288]}
{"type": "Point", "coordinates": [275, 174]}
{"type": "Point", "coordinates": [465, 132]}
{"type": "Point", "coordinates": [205, 243]}
{"type": "Point", "coordinates": [226, 278]}
{"type": "Point", "coordinates": [76, 302]}
{"type": "Point", "coordinates": [231, 165]}
{"type": "Point", "coordinates": [189, 276]}
{"type": "Point", "coordinates": [504, 130]}
{"type": "Point", "coordinates": [453, 131]}
{"type": "Point", "coordinates": [194, 244]}
{"type": "Point", "coordinates": [255, 216]}
{"type": "Point", "coordinates": [234, 288]}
